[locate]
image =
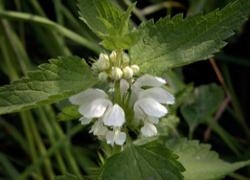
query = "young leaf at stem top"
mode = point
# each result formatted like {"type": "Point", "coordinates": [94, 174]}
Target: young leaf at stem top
{"type": "Point", "coordinates": [109, 22]}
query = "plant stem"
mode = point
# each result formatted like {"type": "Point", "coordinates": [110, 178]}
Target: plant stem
{"type": "Point", "coordinates": [232, 144]}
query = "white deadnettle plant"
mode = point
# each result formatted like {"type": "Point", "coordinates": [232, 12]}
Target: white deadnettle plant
{"type": "Point", "coordinates": [144, 96]}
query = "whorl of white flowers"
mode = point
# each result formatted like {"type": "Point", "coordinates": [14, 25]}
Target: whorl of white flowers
{"type": "Point", "coordinates": [110, 114]}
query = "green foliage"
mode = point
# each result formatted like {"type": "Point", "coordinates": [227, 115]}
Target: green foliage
{"type": "Point", "coordinates": [200, 162]}
{"type": "Point", "coordinates": [69, 113]}
{"type": "Point", "coordinates": [140, 163]}
{"type": "Point", "coordinates": [109, 22]}
{"type": "Point", "coordinates": [67, 177]}
{"type": "Point", "coordinates": [173, 42]}
{"type": "Point", "coordinates": [202, 105]}
{"type": "Point", "coordinates": [52, 82]}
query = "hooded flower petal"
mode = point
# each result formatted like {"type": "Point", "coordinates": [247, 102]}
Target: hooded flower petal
{"type": "Point", "coordinates": [87, 96]}
{"type": "Point", "coordinates": [150, 107]}
{"type": "Point", "coordinates": [148, 80]}
{"type": "Point", "coordinates": [114, 116]}
{"type": "Point", "coordinates": [148, 130]}
{"type": "Point", "coordinates": [159, 94]}
{"type": "Point", "coordinates": [95, 109]}
{"type": "Point", "coordinates": [115, 137]}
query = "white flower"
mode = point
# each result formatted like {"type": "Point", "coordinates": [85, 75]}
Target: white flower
{"type": "Point", "coordinates": [135, 68]}
{"type": "Point", "coordinates": [84, 120]}
{"type": "Point", "coordinates": [87, 96]}
{"type": "Point", "coordinates": [114, 116]}
{"type": "Point", "coordinates": [115, 137]}
{"type": "Point", "coordinates": [159, 94]}
{"type": "Point", "coordinates": [149, 107]}
{"type": "Point", "coordinates": [98, 129]}
{"type": "Point", "coordinates": [103, 62]}
{"type": "Point", "coordinates": [127, 72]}
{"type": "Point", "coordinates": [124, 86]}
{"type": "Point", "coordinates": [148, 80]}
{"type": "Point", "coordinates": [113, 57]}
{"type": "Point", "coordinates": [148, 130]}
{"type": "Point", "coordinates": [93, 103]}
{"type": "Point", "coordinates": [116, 73]}
{"type": "Point", "coordinates": [148, 97]}
{"type": "Point", "coordinates": [95, 108]}
{"type": "Point", "coordinates": [145, 96]}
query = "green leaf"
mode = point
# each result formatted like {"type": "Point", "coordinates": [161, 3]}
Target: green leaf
{"type": "Point", "coordinates": [167, 125]}
{"type": "Point", "coordinates": [52, 82]}
{"type": "Point", "coordinates": [200, 162]}
{"type": "Point", "coordinates": [120, 42]}
{"type": "Point", "coordinates": [140, 163]}
{"type": "Point", "coordinates": [202, 105]}
{"type": "Point", "coordinates": [109, 22]}
{"type": "Point", "coordinates": [173, 42]}
{"type": "Point", "coordinates": [69, 113]}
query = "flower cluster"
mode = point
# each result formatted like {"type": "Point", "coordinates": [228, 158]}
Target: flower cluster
{"type": "Point", "coordinates": [114, 67]}
{"type": "Point", "coordinates": [95, 106]}
{"type": "Point", "coordinates": [142, 100]}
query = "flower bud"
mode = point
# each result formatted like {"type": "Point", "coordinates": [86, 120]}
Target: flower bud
{"type": "Point", "coordinates": [103, 56]}
{"type": "Point", "coordinates": [125, 58]}
{"type": "Point", "coordinates": [103, 62]}
{"type": "Point", "coordinates": [103, 76]}
{"type": "Point", "coordinates": [116, 73]}
{"type": "Point", "coordinates": [113, 57]}
{"type": "Point", "coordinates": [127, 72]}
{"type": "Point", "coordinates": [135, 68]}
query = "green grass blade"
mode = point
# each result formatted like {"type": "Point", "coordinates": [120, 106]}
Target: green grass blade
{"type": "Point", "coordinates": [50, 24]}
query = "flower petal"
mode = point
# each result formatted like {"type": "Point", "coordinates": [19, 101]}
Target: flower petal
{"type": "Point", "coordinates": [148, 80]}
{"type": "Point", "coordinates": [114, 116]}
{"type": "Point", "coordinates": [120, 138]}
{"type": "Point", "coordinates": [84, 120]}
{"type": "Point", "coordinates": [150, 107]}
{"type": "Point", "coordinates": [98, 129]}
{"type": "Point", "coordinates": [124, 86]}
{"type": "Point", "coordinates": [87, 96]}
{"type": "Point", "coordinates": [159, 94]}
{"type": "Point", "coordinates": [115, 137]}
{"type": "Point", "coordinates": [110, 137]}
{"type": "Point", "coordinates": [95, 109]}
{"type": "Point", "coordinates": [148, 130]}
